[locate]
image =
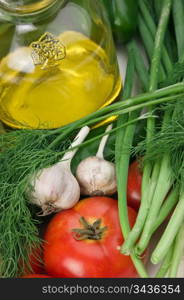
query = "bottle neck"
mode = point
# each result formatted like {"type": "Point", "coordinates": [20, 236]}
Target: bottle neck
{"type": "Point", "coordinates": [23, 7]}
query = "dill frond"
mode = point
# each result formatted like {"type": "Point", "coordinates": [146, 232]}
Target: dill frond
{"type": "Point", "coordinates": [24, 152]}
{"type": "Point", "coordinates": [168, 140]}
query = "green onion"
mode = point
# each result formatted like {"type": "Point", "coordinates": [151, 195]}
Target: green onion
{"type": "Point", "coordinates": [170, 232]}
{"type": "Point", "coordinates": [148, 44]}
{"type": "Point", "coordinates": [178, 16]}
{"type": "Point", "coordinates": [177, 252]}
{"type": "Point", "coordinates": [145, 201]}
{"type": "Point", "coordinates": [141, 69]}
{"type": "Point", "coordinates": [165, 264]}
{"type": "Point", "coordinates": [166, 208]}
{"type": "Point", "coordinates": [122, 157]}
{"type": "Point", "coordinates": [152, 27]}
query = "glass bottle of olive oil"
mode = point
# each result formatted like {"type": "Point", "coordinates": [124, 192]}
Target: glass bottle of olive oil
{"type": "Point", "coordinates": [59, 63]}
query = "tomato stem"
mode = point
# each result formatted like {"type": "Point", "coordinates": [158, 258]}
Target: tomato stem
{"type": "Point", "coordinates": [89, 231]}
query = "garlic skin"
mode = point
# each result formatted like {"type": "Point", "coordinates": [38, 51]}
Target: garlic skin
{"type": "Point", "coordinates": [96, 176]}
{"type": "Point", "coordinates": [55, 189]}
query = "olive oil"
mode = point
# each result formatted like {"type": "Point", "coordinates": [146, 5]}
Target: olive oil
{"type": "Point", "coordinates": [48, 89]}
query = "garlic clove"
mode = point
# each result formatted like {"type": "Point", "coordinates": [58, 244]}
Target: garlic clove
{"type": "Point", "coordinates": [55, 188]}
{"type": "Point", "coordinates": [70, 193]}
{"type": "Point", "coordinates": [96, 176]}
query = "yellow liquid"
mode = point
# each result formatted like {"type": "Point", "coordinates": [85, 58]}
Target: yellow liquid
{"type": "Point", "coordinates": [80, 84]}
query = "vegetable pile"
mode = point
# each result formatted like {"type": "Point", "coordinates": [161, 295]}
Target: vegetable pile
{"type": "Point", "coordinates": [137, 159]}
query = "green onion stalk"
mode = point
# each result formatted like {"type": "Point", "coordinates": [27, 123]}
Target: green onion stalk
{"type": "Point", "coordinates": [177, 253]}
{"type": "Point", "coordinates": [172, 198]}
{"type": "Point", "coordinates": [178, 13]}
{"type": "Point", "coordinates": [161, 181]}
{"type": "Point", "coordinates": [124, 140]}
{"type": "Point", "coordinates": [121, 107]}
{"type": "Point", "coordinates": [162, 271]}
{"type": "Point", "coordinates": [174, 225]}
{"type": "Point", "coordinates": [170, 236]}
{"type": "Point", "coordinates": [177, 218]}
{"type": "Point", "coordinates": [148, 186]}
{"type": "Point", "coordinates": [161, 170]}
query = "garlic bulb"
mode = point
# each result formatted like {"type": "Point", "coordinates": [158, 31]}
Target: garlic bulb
{"type": "Point", "coordinates": [96, 176]}
{"type": "Point", "coordinates": [55, 188]}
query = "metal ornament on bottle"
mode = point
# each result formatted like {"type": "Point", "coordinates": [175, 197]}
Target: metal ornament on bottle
{"type": "Point", "coordinates": [48, 51]}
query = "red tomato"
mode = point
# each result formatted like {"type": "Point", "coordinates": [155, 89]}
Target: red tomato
{"type": "Point", "coordinates": [134, 185]}
{"type": "Point", "coordinates": [64, 256]}
{"type": "Point", "coordinates": [36, 276]}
